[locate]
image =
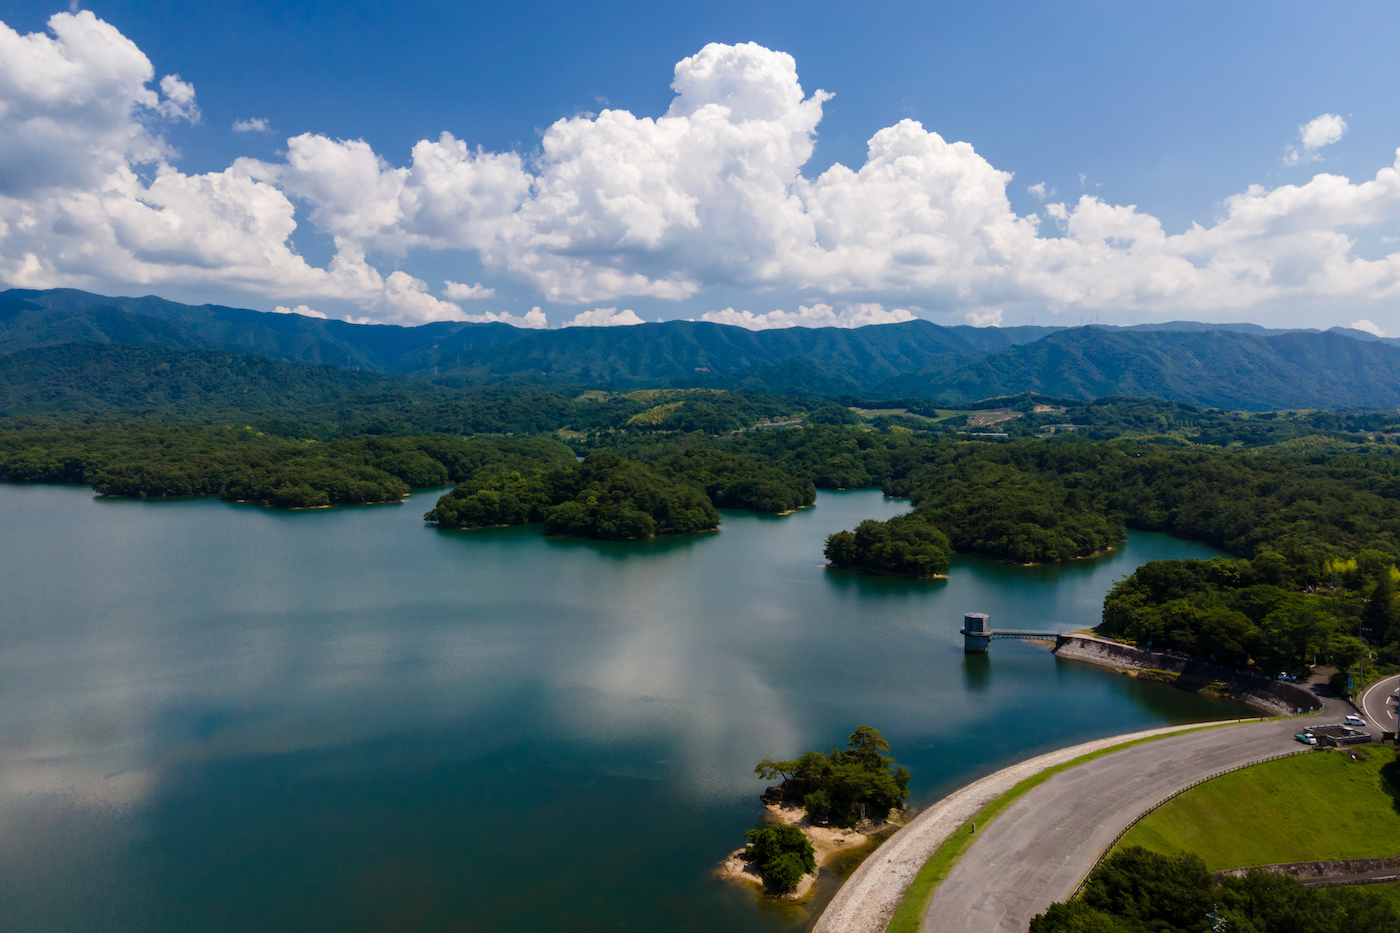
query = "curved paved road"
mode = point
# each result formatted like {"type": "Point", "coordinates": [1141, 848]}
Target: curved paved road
{"type": "Point", "coordinates": [1041, 846]}
{"type": "Point", "coordinates": [1378, 705]}
{"type": "Point", "coordinates": [865, 903]}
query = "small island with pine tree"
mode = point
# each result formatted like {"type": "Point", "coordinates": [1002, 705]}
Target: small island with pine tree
{"type": "Point", "coordinates": [827, 803]}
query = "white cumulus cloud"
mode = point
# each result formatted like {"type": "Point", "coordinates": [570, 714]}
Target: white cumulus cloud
{"type": "Point", "coordinates": [459, 292]}
{"type": "Point", "coordinates": [252, 125]}
{"type": "Point", "coordinates": [604, 317]}
{"type": "Point", "coordinates": [818, 315]}
{"type": "Point", "coordinates": [534, 319]}
{"type": "Point", "coordinates": [1322, 131]}
{"type": "Point", "coordinates": [1368, 326]}
{"type": "Point", "coordinates": [178, 99]}
{"type": "Point", "coordinates": [984, 318]}
{"type": "Point", "coordinates": [1316, 133]}
{"type": "Point", "coordinates": [303, 310]}
{"type": "Point", "coordinates": [710, 194]}
{"type": "Point", "coordinates": [80, 128]}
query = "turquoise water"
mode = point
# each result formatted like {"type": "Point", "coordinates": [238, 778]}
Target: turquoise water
{"type": "Point", "coordinates": [218, 717]}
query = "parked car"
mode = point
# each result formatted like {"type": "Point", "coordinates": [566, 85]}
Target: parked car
{"type": "Point", "coordinates": [1306, 738]}
{"type": "Point", "coordinates": [1353, 720]}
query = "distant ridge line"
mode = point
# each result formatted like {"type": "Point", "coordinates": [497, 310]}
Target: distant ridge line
{"type": "Point", "coordinates": [1231, 366]}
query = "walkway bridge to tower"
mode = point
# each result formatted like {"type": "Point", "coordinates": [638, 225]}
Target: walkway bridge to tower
{"type": "Point", "coordinates": [978, 633]}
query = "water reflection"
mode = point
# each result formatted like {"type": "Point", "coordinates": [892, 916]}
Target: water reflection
{"type": "Point", "coordinates": [212, 699]}
{"type": "Point", "coordinates": [977, 671]}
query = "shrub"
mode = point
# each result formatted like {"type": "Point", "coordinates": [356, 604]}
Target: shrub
{"type": "Point", "coordinates": [783, 855]}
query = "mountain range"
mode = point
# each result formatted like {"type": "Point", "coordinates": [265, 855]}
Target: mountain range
{"type": "Point", "coordinates": [1238, 366]}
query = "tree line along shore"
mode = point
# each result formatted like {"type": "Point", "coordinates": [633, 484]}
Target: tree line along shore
{"type": "Point", "coordinates": [1308, 504]}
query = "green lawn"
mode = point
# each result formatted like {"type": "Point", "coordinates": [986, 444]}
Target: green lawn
{"type": "Point", "coordinates": [1322, 805]}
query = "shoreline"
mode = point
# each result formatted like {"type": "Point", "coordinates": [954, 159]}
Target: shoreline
{"type": "Point", "coordinates": [889, 573]}
{"type": "Point", "coordinates": [1274, 698]}
{"type": "Point", "coordinates": [1041, 563]}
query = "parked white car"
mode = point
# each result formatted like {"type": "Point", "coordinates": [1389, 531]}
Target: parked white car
{"type": "Point", "coordinates": [1354, 720]}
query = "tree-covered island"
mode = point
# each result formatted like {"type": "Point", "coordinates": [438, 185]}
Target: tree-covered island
{"type": "Point", "coordinates": [823, 797]}
{"type": "Point", "coordinates": [610, 497]}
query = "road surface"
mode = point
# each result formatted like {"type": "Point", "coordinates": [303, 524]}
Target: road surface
{"type": "Point", "coordinates": [1040, 847]}
{"type": "Point", "coordinates": [1377, 704]}
{"type": "Point", "coordinates": [865, 903]}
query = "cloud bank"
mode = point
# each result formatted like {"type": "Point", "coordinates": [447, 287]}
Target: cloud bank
{"type": "Point", "coordinates": [819, 315]}
{"type": "Point", "coordinates": [459, 292]}
{"type": "Point", "coordinates": [604, 317]}
{"type": "Point", "coordinates": [613, 205]}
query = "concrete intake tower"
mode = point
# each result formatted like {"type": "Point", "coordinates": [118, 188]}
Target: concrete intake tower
{"type": "Point", "coordinates": [977, 632]}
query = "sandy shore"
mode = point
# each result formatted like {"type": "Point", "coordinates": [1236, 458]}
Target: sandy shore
{"type": "Point", "coordinates": [827, 841]}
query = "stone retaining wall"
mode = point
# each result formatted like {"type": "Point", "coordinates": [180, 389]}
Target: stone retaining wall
{"type": "Point", "coordinates": [1306, 870]}
{"type": "Point", "coordinates": [1275, 697]}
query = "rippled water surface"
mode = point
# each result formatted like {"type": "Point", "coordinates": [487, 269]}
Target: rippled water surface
{"type": "Point", "coordinates": [218, 717]}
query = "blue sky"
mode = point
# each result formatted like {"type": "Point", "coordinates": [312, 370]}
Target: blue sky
{"type": "Point", "coordinates": [1172, 108]}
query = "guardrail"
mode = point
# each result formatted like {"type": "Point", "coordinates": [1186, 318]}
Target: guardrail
{"type": "Point", "coordinates": [1168, 799]}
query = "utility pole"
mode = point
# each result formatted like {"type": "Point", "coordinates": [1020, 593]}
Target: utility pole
{"type": "Point", "coordinates": [1218, 924]}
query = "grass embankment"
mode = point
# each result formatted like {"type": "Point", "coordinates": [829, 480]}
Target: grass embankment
{"type": "Point", "coordinates": [1319, 806]}
{"type": "Point", "coordinates": [908, 916]}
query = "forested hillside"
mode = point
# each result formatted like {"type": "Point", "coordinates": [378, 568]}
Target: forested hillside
{"type": "Point", "coordinates": [695, 350]}
{"type": "Point", "coordinates": [149, 382]}
{"type": "Point", "coordinates": [45, 318]}
{"type": "Point", "coordinates": [1218, 369]}
{"type": "Point", "coordinates": [1234, 367]}
{"type": "Point", "coordinates": [140, 381]}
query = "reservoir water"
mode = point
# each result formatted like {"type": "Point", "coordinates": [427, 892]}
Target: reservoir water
{"type": "Point", "coordinates": [215, 717]}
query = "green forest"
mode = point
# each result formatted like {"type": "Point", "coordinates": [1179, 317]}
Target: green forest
{"type": "Point", "coordinates": [115, 383]}
{"type": "Point", "coordinates": [1317, 538]}
{"type": "Point", "coordinates": [843, 786]}
{"type": "Point", "coordinates": [1137, 891]}
{"type": "Point", "coordinates": [605, 497]}
{"type": "Point", "coordinates": [1293, 496]}
{"type": "Point", "coordinates": [240, 464]}
{"type": "Point", "coordinates": [1232, 611]}
{"type": "Point", "coordinates": [906, 545]}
